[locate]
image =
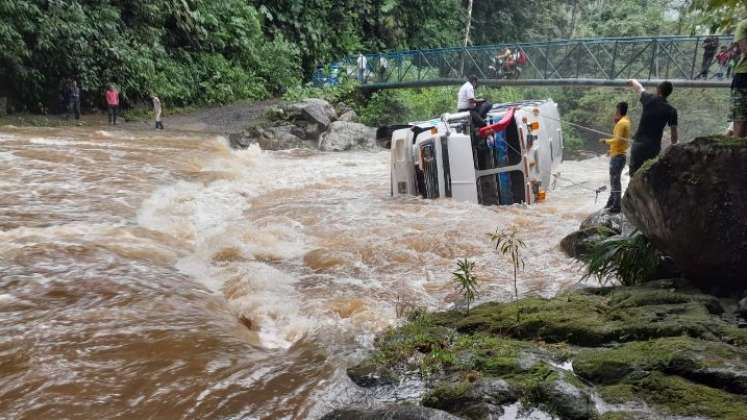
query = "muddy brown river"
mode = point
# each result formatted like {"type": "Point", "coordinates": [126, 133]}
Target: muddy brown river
{"type": "Point", "coordinates": [164, 275]}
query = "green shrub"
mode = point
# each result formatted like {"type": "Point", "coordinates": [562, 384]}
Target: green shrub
{"type": "Point", "coordinates": [384, 107]}
{"type": "Point", "coordinates": [629, 259]}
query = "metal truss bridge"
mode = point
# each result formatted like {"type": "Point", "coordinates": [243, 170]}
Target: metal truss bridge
{"type": "Point", "coordinates": [572, 62]}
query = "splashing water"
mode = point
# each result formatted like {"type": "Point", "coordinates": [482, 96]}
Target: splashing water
{"type": "Point", "coordinates": [151, 275]}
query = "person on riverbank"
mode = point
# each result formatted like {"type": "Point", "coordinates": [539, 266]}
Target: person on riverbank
{"type": "Point", "coordinates": [738, 96]}
{"type": "Point", "coordinates": [157, 111]}
{"type": "Point", "coordinates": [657, 114]}
{"type": "Point", "coordinates": [75, 99]}
{"type": "Point", "coordinates": [112, 103]}
{"type": "Point", "coordinates": [618, 146]}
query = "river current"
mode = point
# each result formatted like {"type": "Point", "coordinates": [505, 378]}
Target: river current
{"type": "Point", "coordinates": [165, 275]}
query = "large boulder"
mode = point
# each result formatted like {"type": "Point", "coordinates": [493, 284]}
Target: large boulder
{"type": "Point", "coordinates": [692, 204]}
{"type": "Point", "coordinates": [270, 138]}
{"type": "Point", "coordinates": [343, 135]}
{"type": "Point", "coordinates": [350, 116]}
{"type": "Point", "coordinates": [311, 111]}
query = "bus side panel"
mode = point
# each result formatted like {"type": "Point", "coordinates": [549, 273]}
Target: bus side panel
{"type": "Point", "coordinates": [402, 164]}
{"type": "Point", "coordinates": [462, 168]}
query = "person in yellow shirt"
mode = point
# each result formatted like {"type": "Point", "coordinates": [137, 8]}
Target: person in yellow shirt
{"type": "Point", "coordinates": [618, 145]}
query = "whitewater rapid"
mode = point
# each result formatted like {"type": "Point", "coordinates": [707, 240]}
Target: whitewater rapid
{"type": "Point", "coordinates": [148, 274]}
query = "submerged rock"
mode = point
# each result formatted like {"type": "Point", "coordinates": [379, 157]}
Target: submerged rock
{"type": "Point", "coordinates": [691, 203]}
{"type": "Point", "coordinates": [344, 135]}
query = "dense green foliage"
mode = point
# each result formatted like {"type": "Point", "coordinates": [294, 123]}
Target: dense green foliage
{"type": "Point", "coordinates": [200, 51]}
{"type": "Point", "coordinates": [185, 51]}
{"type": "Point", "coordinates": [326, 30]}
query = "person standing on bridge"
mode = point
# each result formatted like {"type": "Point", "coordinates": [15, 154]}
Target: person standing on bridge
{"type": "Point", "coordinates": [362, 65]}
{"type": "Point", "coordinates": [710, 46]}
{"type": "Point", "coordinates": [738, 97]}
{"type": "Point", "coordinates": [618, 145]}
{"type": "Point", "coordinates": [657, 114]}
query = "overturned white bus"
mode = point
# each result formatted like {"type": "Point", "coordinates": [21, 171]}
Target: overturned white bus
{"type": "Point", "coordinates": [511, 160]}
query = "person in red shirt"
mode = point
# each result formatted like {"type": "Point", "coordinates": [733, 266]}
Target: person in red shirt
{"type": "Point", "coordinates": [112, 103]}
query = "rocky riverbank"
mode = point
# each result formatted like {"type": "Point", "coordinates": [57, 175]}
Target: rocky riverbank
{"type": "Point", "coordinates": [652, 351]}
{"type": "Point", "coordinates": [308, 124]}
{"type": "Point", "coordinates": [658, 349]}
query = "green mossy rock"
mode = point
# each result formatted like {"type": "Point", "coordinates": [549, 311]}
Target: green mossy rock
{"type": "Point", "coordinates": [595, 318]}
{"type": "Point", "coordinates": [656, 351]}
{"type": "Point", "coordinates": [690, 203]}
{"type": "Point", "coordinates": [675, 396]}
{"type": "Point", "coordinates": [473, 400]}
{"type": "Point", "coordinates": [715, 364]}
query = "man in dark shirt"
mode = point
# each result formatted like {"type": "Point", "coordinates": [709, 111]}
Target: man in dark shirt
{"type": "Point", "coordinates": [657, 114]}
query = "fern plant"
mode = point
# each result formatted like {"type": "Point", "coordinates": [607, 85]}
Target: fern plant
{"type": "Point", "coordinates": [629, 259]}
{"type": "Point", "coordinates": [466, 281]}
{"type": "Point", "coordinates": [508, 244]}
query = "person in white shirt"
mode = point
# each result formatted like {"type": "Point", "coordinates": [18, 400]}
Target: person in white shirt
{"type": "Point", "coordinates": [466, 101]}
{"type": "Point", "coordinates": [383, 66]}
{"type": "Point", "coordinates": [466, 97]}
{"type": "Point", "coordinates": [362, 64]}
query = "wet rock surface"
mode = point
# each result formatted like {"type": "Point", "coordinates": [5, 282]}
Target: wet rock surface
{"type": "Point", "coordinates": [312, 111]}
{"type": "Point", "coordinates": [598, 226]}
{"type": "Point", "coordinates": [691, 203]}
{"type": "Point", "coordinates": [391, 412]}
{"type": "Point", "coordinates": [660, 350]}
{"type": "Point", "coordinates": [308, 124]}
{"type": "Point", "coordinates": [343, 135]}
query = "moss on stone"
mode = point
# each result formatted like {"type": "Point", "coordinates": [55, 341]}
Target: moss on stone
{"type": "Point", "coordinates": [672, 395]}
{"type": "Point", "coordinates": [617, 394]}
{"type": "Point", "coordinates": [587, 319]}
{"type": "Point", "coordinates": [646, 165]}
{"type": "Point", "coordinates": [447, 396]}
{"type": "Point", "coordinates": [684, 356]}
{"type": "Point", "coordinates": [660, 344]}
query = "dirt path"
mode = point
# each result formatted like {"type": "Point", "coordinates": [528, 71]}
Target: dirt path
{"type": "Point", "coordinates": [224, 119]}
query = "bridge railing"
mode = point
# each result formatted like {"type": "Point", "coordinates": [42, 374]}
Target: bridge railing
{"type": "Point", "coordinates": [661, 57]}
